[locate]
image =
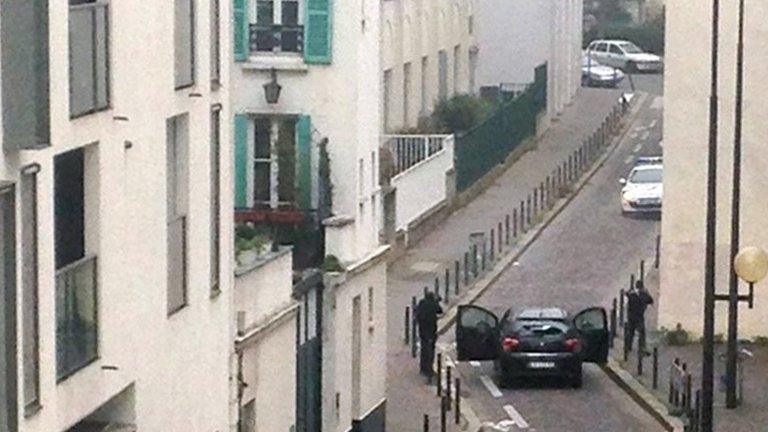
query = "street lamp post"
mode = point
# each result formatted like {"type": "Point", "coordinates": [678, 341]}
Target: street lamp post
{"type": "Point", "coordinates": [733, 287]}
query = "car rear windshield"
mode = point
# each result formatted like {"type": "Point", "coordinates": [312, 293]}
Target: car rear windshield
{"type": "Point", "coordinates": [630, 48]}
{"type": "Point", "coordinates": [646, 176]}
{"type": "Point", "coordinates": [525, 328]}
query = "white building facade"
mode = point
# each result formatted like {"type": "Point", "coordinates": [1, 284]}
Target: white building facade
{"type": "Point", "coordinates": [686, 119]}
{"type": "Point", "coordinates": [429, 53]}
{"type": "Point", "coordinates": [114, 172]}
{"type": "Point", "coordinates": [517, 37]}
{"type": "Point", "coordinates": [311, 156]}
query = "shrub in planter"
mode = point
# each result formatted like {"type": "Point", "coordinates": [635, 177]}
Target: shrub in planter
{"type": "Point", "coordinates": [332, 264]}
{"type": "Point", "coordinates": [677, 337]}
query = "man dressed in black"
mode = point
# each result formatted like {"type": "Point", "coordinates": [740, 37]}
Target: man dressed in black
{"type": "Point", "coordinates": [427, 312]}
{"type": "Point", "coordinates": [638, 301]}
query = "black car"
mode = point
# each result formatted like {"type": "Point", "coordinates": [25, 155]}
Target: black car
{"type": "Point", "coordinates": [537, 342]}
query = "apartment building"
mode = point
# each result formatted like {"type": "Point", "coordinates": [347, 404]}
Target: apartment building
{"type": "Point", "coordinates": [686, 116]}
{"type": "Point", "coordinates": [306, 98]}
{"type": "Point", "coordinates": [517, 37]}
{"type": "Point", "coordinates": [429, 54]}
{"type": "Point", "coordinates": [113, 184]}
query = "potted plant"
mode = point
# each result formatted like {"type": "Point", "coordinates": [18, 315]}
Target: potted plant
{"type": "Point", "coordinates": [250, 243]}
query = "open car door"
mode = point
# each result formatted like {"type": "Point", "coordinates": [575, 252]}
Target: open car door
{"type": "Point", "coordinates": [592, 324]}
{"type": "Point", "coordinates": [477, 334]}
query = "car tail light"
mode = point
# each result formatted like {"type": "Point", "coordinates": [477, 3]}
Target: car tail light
{"type": "Point", "coordinates": [510, 344]}
{"type": "Point", "coordinates": [573, 345]}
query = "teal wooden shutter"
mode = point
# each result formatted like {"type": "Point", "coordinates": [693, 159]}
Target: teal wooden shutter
{"type": "Point", "coordinates": [304, 162]}
{"type": "Point", "coordinates": [318, 32]}
{"type": "Point", "coordinates": [240, 24]}
{"type": "Point", "coordinates": [241, 161]}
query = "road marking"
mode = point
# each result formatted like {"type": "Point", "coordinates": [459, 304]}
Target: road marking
{"type": "Point", "coordinates": [475, 363]}
{"type": "Point", "coordinates": [491, 386]}
{"type": "Point", "coordinates": [637, 148]}
{"type": "Point", "coordinates": [515, 416]}
{"type": "Point", "coordinates": [628, 160]}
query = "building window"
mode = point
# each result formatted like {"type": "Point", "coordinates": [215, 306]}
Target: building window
{"type": "Point", "coordinates": [76, 269]}
{"type": "Point", "coordinates": [274, 161]}
{"type": "Point", "coordinates": [8, 325]}
{"type": "Point", "coordinates": [442, 75]}
{"type": "Point", "coordinates": [277, 27]}
{"type": "Point", "coordinates": [360, 178]}
{"type": "Point", "coordinates": [88, 57]}
{"type": "Point", "coordinates": [471, 24]}
{"type": "Point", "coordinates": [456, 68]}
{"type": "Point", "coordinates": [177, 191]}
{"type": "Point", "coordinates": [424, 70]}
{"type": "Point", "coordinates": [406, 93]}
{"type": "Point", "coordinates": [215, 183]}
{"type": "Point", "coordinates": [29, 279]}
{"type": "Point", "coordinates": [215, 42]}
{"type": "Point", "coordinates": [387, 100]}
{"type": "Point", "coordinates": [371, 305]}
{"type": "Point", "coordinates": [184, 43]}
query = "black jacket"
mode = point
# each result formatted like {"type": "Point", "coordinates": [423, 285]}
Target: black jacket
{"type": "Point", "coordinates": [637, 302]}
{"type": "Point", "coordinates": [426, 316]}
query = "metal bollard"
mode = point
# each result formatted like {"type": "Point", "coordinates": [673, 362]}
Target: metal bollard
{"type": "Point", "coordinates": [541, 196]}
{"type": "Point", "coordinates": [697, 412]}
{"type": "Point", "coordinates": [437, 286]}
{"type": "Point", "coordinates": [500, 241]}
{"type": "Point", "coordinates": [535, 201]}
{"type": "Point", "coordinates": [621, 308]}
{"type": "Point", "coordinates": [474, 261]}
{"type": "Point", "coordinates": [642, 270]}
{"type": "Point", "coordinates": [407, 325]}
{"type": "Point", "coordinates": [484, 254]}
{"type": "Point", "coordinates": [426, 290]}
{"type": "Point", "coordinates": [456, 273]}
{"type": "Point", "coordinates": [688, 387]}
{"type": "Point", "coordinates": [466, 268]}
{"type": "Point", "coordinates": [655, 381]}
{"type": "Point", "coordinates": [413, 327]}
{"type": "Point", "coordinates": [426, 423]}
{"type": "Point", "coordinates": [570, 168]}
{"type": "Point", "coordinates": [613, 322]}
{"type": "Point", "coordinates": [528, 211]}
{"type": "Point", "coordinates": [514, 223]}
{"type": "Point", "coordinates": [457, 401]}
{"type": "Point", "coordinates": [559, 178]}
{"type": "Point", "coordinates": [506, 226]}
{"type": "Point", "coordinates": [639, 359]}
{"type": "Point", "coordinates": [448, 383]}
{"type": "Point", "coordinates": [447, 285]}
{"type": "Point", "coordinates": [549, 192]}
{"type": "Point", "coordinates": [492, 255]}
{"type": "Point", "coordinates": [443, 414]}
{"type": "Point", "coordinates": [439, 374]}
{"type": "Point", "coordinates": [522, 216]}
{"type": "Point", "coordinates": [631, 281]}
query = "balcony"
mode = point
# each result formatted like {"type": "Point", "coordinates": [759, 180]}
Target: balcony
{"type": "Point", "coordinates": [276, 38]}
{"type": "Point", "coordinates": [407, 151]}
{"type": "Point", "coordinates": [76, 316]}
{"type": "Point", "coordinates": [88, 58]}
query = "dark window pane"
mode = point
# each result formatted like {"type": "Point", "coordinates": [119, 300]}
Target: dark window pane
{"type": "Point", "coordinates": [69, 202]}
{"type": "Point", "coordinates": [265, 12]}
{"type": "Point", "coordinates": [76, 317]}
{"type": "Point", "coordinates": [286, 161]}
{"type": "Point", "coordinates": [261, 181]}
{"type": "Point", "coordinates": [290, 13]}
{"type": "Point", "coordinates": [262, 143]}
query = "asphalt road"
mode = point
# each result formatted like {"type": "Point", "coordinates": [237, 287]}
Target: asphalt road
{"type": "Point", "coordinates": [582, 259]}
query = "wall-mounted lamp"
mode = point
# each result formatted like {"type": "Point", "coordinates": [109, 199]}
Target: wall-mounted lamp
{"type": "Point", "coordinates": [272, 89]}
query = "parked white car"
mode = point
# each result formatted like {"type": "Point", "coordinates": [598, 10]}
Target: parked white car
{"type": "Point", "coordinates": [643, 189]}
{"type": "Point", "coordinates": [595, 74]}
{"type": "Point", "coordinates": [625, 55]}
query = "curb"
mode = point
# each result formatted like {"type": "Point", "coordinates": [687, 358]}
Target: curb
{"type": "Point", "coordinates": [486, 280]}
{"type": "Point", "coordinates": [642, 396]}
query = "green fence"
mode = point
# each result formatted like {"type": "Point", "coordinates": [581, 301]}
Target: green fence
{"type": "Point", "coordinates": [488, 144]}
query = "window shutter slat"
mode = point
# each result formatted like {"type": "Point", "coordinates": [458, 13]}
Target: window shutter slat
{"type": "Point", "coordinates": [317, 41]}
{"type": "Point", "coordinates": [240, 46]}
{"type": "Point", "coordinates": [304, 162]}
{"type": "Point", "coordinates": [241, 161]}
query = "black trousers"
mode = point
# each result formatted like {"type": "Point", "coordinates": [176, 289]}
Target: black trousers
{"type": "Point", "coordinates": [427, 355]}
{"type": "Point", "coordinates": [632, 327]}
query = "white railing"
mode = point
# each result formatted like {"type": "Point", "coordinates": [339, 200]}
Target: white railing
{"type": "Point", "coordinates": [409, 150]}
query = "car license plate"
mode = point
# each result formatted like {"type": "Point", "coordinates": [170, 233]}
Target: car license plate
{"type": "Point", "coordinates": [541, 365]}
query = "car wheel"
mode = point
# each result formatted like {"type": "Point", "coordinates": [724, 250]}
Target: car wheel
{"type": "Point", "coordinates": [631, 67]}
{"type": "Point", "coordinates": [577, 380]}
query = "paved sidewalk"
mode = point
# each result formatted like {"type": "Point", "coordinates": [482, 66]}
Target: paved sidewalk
{"type": "Point", "coordinates": [751, 416]}
{"type": "Point", "coordinates": [409, 398]}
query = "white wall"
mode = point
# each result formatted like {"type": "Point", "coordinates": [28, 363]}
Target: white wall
{"type": "Point", "coordinates": [414, 29]}
{"type": "Point", "coordinates": [170, 359]}
{"type": "Point", "coordinates": [686, 119]}
{"type": "Point", "coordinates": [422, 187]}
{"type": "Point", "coordinates": [264, 288]}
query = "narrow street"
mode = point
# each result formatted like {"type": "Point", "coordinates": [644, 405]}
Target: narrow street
{"type": "Point", "coordinates": [581, 260]}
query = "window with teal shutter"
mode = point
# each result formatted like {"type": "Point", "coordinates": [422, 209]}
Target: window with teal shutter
{"type": "Point", "coordinates": [240, 46]}
{"type": "Point", "coordinates": [318, 28]}
{"type": "Point", "coordinates": [241, 161]}
{"type": "Point", "coordinates": [304, 162]}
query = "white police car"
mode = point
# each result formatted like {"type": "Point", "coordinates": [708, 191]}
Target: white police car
{"type": "Point", "coordinates": [643, 189]}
